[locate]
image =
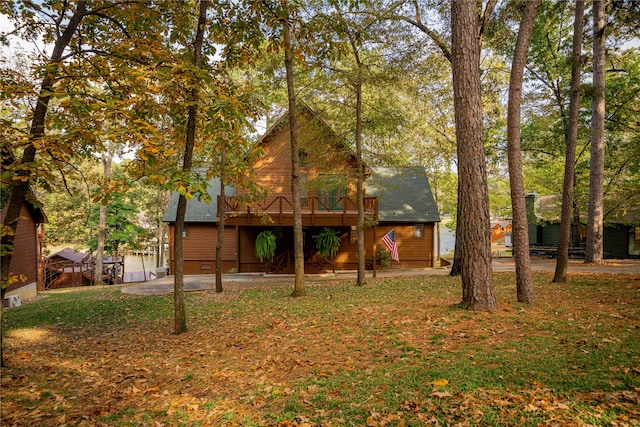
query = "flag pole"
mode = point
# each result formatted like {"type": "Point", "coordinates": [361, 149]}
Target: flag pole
{"type": "Point", "coordinates": [375, 244]}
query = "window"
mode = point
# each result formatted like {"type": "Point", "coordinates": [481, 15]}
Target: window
{"type": "Point", "coordinates": [634, 241]}
{"type": "Point", "coordinates": [419, 230]}
{"type": "Point", "coordinates": [304, 157]}
{"type": "Point", "coordinates": [185, 232]}
{"type": "Point", "coordinates": [331, 189]}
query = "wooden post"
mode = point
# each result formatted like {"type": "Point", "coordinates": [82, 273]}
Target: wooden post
{"type": "Point", "coordinates": [237, 249]}
{"type": "Point", "coordinates": [375, 244]}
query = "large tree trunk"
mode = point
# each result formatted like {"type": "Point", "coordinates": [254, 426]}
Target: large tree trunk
{"type": "Point", "coordinates": [595, 225]}
{"type": "Point", "coordinates": [25, 169]}
{"type": "Point", "coordinates": [298, 241]}
{"type": "Point", "coordinates": [221, 217]}
{"type": "Point", "coordinates": [361, 279]}
{"type": "Point", "coordinates": [456, 266]}
{"type": "Point", "coordinates": [107, 160]}
{"type": "Point", "coordinates": [571, 137]}
{"type": "Point", "coordinates": [524, 282]}
{"type": "Point", "coordinates": [180, 320]}
{"type": "Point", "coordinates": [361, 276]}
{"type": "Point", "coordinates": [477, 280]}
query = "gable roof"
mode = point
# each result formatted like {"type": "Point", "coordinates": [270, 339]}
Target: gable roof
{"type": "Point", "coordinates": [404, 194]}
{"type": "Point", "coordinates": [69, 254]}
{"type": "Point", "coordinates": [198, 211]}
{"type": "Point", "coordinates": [303, 108]}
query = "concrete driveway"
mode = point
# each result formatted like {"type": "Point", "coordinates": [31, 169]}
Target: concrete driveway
{"type": "Point", "coordinates": [203, 282]}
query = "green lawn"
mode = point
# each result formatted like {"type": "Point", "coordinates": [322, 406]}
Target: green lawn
{"type": "Point", "coordinates": [394, 352]}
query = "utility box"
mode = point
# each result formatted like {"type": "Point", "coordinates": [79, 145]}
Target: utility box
{"type": "Point", "coordinates": [12, 301]}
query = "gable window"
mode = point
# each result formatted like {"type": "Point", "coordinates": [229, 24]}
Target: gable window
{"type": "Point", "coordinates": [304, 157]}
{"type": "Point", "coordinates": [418, 231]}
{"type": "Point", "coordinates": [331, 190]}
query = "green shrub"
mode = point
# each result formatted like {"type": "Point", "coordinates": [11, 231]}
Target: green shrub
{"type": "Point", "coordinates": [383, 258]}
{"type": "Point", "coordinates": [328, 242]}
{"type": "Point", "coordinates": [265, 245]}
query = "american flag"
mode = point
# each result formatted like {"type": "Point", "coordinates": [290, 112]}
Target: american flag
{"type": "Point", "coordinates": [389, 241]}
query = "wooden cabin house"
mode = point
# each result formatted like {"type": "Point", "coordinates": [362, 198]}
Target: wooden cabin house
{"type": "Point", "coordinates": [620, 238]}
{"type": "Point", "coordinates": [25, 261]}
{"type": "Point", "coordinates": [398, 198]}
{"type": "Point", "coordinates": [68, 268]}
{"type": "Point", "coordinates": [499, 230]}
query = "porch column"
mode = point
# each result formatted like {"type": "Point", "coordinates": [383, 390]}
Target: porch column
{"type": "Point", "coordinates": [237, 248]}
{"type": "Point", "coordinates": [375, 244]}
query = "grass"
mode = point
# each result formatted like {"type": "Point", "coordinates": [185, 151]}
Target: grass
{"type": "Point", "coordinates": [392, 352]}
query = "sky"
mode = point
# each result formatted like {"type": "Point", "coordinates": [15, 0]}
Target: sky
{"type": "Point", "coordinates": [15, 42]}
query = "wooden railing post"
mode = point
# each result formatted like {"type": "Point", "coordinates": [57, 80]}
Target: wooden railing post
{"type": "Point", "coordinates": [345, 201]}
{"type": "Point", "coordinates": [313, 209]}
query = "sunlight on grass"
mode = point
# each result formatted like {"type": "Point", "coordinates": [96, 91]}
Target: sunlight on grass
{"type": "Point", "coordinates": [30, 334]}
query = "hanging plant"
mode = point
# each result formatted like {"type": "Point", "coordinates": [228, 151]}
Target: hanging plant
{"type": "Point", "coordinates": [265, 245]}
{"type": "Point", "coordinates": [328, 243]}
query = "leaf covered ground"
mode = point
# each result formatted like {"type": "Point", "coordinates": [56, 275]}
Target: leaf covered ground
{"type": "Point", "coordinates": [395, 352]}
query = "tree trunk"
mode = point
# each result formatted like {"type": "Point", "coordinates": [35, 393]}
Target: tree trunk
{"type": "Point", "coordinates": [477, 280]}
{"type": "Point", "coordinates": [520, 233]}
{"type": "Point", "coordinates": [221, 217]}
{"type": "Point", "coordinates": [361, 279]}
{"type": "Point", "coordinates": [102, 225]}
{"type": "Point", "coordinates": [107, 159]}
{"type": "Point", "coordinates": [560, 275]}
{"type": "Point", "coordinates": [595, 225]}
{"type": "Point", "coordinates": [298, 241]}
{"type": "Point", "coordinates": [456, 266]}
{"type": "Point", "coordinates": [161, 230]}
{"type": "Point", "coordinates": [361, 276]}
{"type": "Point", "coordinates": [180, 321]}
{"type": "Point", "coordinates": [20, 187]}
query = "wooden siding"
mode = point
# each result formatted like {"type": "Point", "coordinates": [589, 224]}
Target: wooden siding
{"type": "Point", "coordinates": [414, 252]}
{"type": "Point", "coordinates": [200, 249]}
{"type": "Point", "coordinates": [328, 167]}
{"type": "Point", "coordinates": [25, 259]}
{"type": "Point", "coordinates": [325, 157]}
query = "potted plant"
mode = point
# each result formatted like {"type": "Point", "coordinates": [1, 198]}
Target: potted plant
{"type": "Point", "coordinates": [265, 245]}
{"type": "Point", "coordinates": [328, 243]}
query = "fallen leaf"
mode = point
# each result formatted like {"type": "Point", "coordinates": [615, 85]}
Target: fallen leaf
{"type": "Point", "coordinates": [439, 383]}
{"type": "Point", "coordinates": [441, 394]}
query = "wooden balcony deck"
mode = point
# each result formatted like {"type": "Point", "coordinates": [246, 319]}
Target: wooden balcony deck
{"type": "Point", "coordinates": [278, 210]}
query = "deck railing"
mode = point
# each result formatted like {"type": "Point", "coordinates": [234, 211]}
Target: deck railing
{"type": "Point", "coordinates": [277, 206]}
